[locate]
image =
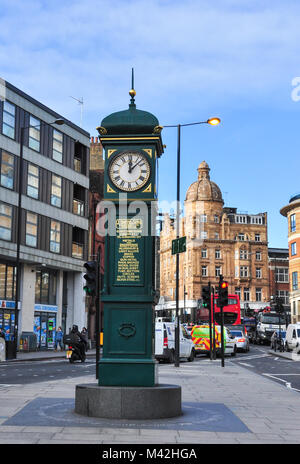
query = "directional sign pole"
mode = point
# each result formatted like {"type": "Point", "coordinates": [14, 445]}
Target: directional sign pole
{"type": "Point", "coordinates": [222, 321]}
{"type": "Point", "coordinates": [209, 319]}
{"type": "Point", "coordinates": [177, 323]}
{"type": "Point", "coordinates": [214, 323]}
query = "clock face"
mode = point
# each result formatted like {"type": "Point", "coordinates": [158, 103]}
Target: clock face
{"type": "Point", "coordinates": [129, 171]}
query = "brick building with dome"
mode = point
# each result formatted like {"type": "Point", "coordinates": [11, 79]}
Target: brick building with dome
{"type": "Point", "coordinates": [219, 240]}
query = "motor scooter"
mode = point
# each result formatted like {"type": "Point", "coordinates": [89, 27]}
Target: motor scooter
{"type": "Point", "coordinates": [76, 350]}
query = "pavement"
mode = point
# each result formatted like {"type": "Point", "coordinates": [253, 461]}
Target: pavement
{"type": "Point", "coordinates": [229, 405]}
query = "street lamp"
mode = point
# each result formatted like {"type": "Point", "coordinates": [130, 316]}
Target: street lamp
{"type": "Point", "coordinates": [212, 122]}
{"type": "Point", "coordinates": [58, 122]}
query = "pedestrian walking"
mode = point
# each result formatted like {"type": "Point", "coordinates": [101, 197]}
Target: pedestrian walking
{"type": "Point", "coordinates": [85, 337]}
{"type": "Point", "coordinates": [59, 339]}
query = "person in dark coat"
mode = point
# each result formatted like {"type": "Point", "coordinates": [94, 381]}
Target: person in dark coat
{"type": "Point", "coordinates": [85, 336]}
{"type": "Point", "coordinates": [80, 338]}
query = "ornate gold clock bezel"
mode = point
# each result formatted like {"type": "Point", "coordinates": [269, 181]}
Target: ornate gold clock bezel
{"type": "Point", "coordinates": [113, 163]}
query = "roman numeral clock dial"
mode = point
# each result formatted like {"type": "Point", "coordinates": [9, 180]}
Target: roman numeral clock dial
{"type": "Point", "coordinates": [129, 171]}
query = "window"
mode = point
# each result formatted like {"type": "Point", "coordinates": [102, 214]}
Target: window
{"type": "Point", "coordinates": [216, 219]}
{"type": "Point", "coordinates": [293, 249]}
{"type": "Point", "coordinates": [45, 287]}
{"type": "Point", "coordinates": [246, 294]}
{"type": "Point", "coordinates": [77, 164]}
{"type": "Point", "coordinates": [31, 229]}
{"type": "Point", "coordinates": [34, 134]}
{"type": "Point", "coordinates": [243, 254]}
{"type": "Point", "coordinates": [7, 282]}
{"type": "Point", "coordinates": [258, 273]}
{"type": "Point", "coordinates": [257, 237]}
{"type": "Point", "coordinates": [55, 237]}
{"type": "Point", "coordinates": [8, 124]}
{"type": "Point", "coordinates": [241, 219]}
{"type": "Point", "coordinates": [57, 152]}
{"type": "Point", "coordinates": [295, 280]}
{"type": "Point", "coordinates": [204, 253]}
{"type": "Point", "coordinates": [56, 191]}
{"type": "Point", "coordinates": [243, 271]}
{"type": "Point", "coordinates": [204, 271]}
{"type": "Point", "coordinates": [203, 235]}
{"type": "Point", "coordinates": [237, 291]}
{"type": "Point", "coordinates": [258, 294]}
{"type": "Point", "coordinates": [256, 220]}
{"type": "Point", "coordinates": [218, 271]}
{"type": "Point", "coordinates": [33, 181]}
{"type": "Point", "coordinates": [217, 236]}
{"type": "Point", "coordinates": [218, 254]}
{"type": "Point", "coordinates": [241, 237]}
{"type": "Point", "coordinates": [7, 170]}
{"type": "Point", "coordinates": [258, 255]}
{"type": "Point", "coordinates": [293, 222]}
{"type": "Point", "coordinates": [283, 295]}
{"type": "Point", "coordinates": [5, 221]}
{"type": "Point", "coordinates": [282, 274]}
{"type": "Point", "coordinates": [203, 218]}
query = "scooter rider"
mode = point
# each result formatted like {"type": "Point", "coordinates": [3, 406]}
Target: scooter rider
{"type": "Point", "coordinates": [81, 341]}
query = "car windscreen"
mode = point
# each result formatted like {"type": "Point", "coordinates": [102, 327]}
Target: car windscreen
{"type": "Point", "coordinates": [298, 332]}
{"type": "Point", "coordinates": [236, 333]}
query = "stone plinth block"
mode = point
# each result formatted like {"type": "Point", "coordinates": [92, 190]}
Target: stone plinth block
{"type": "Point", "coordinates": [158, 402]}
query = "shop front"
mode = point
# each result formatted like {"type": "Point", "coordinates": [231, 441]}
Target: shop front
{"type": "Point", "coordinates": [44, 326]}
{"type": "Point", "coordinates": [7, 319]}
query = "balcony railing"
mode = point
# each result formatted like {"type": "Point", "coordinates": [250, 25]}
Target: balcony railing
{"type": "Point", "coordinates": [77, 250]}
{"type": "Point", "coordinates": [78, 207]}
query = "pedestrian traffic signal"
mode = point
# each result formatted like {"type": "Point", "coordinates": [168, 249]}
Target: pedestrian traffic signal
{"type": "Point", "coordinates": [206, 296]}
{"type": "Point", "coordinates": [91, 277]}
{"type": "Point", "coordinates": [223, 294]}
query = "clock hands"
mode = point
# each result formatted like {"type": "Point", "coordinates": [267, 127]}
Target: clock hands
{"type": "Point", "coordinates": [137, 164]}
{"type": "Point", "coordinates": [130, 164]}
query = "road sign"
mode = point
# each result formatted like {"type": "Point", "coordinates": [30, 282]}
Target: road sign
{"type": "Point", "coordinates": [178, 245]}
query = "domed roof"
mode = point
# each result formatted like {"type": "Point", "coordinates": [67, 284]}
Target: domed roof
{"type": "Point", "coordinates": [131, 121]}
{"type": "Point", "coordinates": [204, 188]}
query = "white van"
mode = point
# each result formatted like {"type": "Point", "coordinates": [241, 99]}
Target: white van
{"type": "Point", "coordinates": [292, 337]}
{"type": "Point", "coordinates": [165, 342]}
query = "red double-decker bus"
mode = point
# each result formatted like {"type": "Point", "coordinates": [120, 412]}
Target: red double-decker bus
{"type": "Point", "coordinates": [232, 312]}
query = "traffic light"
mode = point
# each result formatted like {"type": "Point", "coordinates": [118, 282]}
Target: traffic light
{"type": "Point", "coordinates": [223, 294]}
{"type": "Point", "coordinates": [91, 277]}
{"type": "Point", "coordinates": [206, 296]}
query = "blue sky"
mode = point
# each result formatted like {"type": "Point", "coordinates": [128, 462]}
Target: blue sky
{"type": "Point", "coordinates": [193, 59]}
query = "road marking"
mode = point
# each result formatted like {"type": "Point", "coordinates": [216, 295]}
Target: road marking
{"type": "Point", "coordinates": [287, 384]}
{"type": "Point", "coordinates": [245, 364]}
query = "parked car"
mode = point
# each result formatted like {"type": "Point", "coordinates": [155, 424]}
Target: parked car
{"type": "Point", "coordinates": [231, 345]}
{"type": "Point", "coordinates": [241, 338]}
{"type": "Point", "coordinates": [165, 342]}
{"type": "Point", "coordinates": [278, 340]}
{"type": "Point", "coordinates": [292, 338]}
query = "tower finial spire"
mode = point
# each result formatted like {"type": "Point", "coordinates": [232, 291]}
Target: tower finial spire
{"type": "Point", "coordinates": [132, 92]}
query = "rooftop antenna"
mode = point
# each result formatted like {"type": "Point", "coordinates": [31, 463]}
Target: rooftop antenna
{"type": "Point", "coordinates": [80, 102]}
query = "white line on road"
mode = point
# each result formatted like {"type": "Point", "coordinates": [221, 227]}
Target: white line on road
{"type": "Point", "coordinates": [245, 364]}
{"type": "Point", "coordinates": [287, 384]}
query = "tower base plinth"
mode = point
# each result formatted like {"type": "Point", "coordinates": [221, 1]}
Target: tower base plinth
{"type": "Point", "coordinates": [158, 402]}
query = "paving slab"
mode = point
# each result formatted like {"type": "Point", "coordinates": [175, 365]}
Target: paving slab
{"type": "Point", "coordinates": [222, 405]}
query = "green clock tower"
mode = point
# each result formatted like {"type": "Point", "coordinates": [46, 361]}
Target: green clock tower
{"type": "Point", "coordinates": [133, 144]}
